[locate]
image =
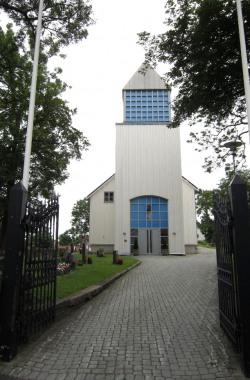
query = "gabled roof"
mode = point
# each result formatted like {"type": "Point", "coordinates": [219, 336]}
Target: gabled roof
{"type": "Point", "coordinates": [190, 183]}
{"type": "Point", "coordinates": [113, 176]}
{"type": "Point", "coordinates": [99, 187]}
{"type": "Point", "coordinates": [149, 80]}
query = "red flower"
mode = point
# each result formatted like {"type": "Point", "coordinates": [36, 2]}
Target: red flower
{"type": "Point", "coordinates": [119, 261]}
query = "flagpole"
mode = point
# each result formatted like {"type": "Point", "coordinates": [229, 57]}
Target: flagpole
{"type": "Point", "coordinates": [28, 144]}
{"type": "Point", "coordinates": [244, 60]}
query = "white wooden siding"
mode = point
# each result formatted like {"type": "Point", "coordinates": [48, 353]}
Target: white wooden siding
{"type": "Point", "coordinates": [189, 211]}
{"type": "Point", "coordinates": [102, 216]}
{"type": "Point", "coordinates": [148, 162]}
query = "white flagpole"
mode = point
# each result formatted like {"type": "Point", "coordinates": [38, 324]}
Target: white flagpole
{"type": "Point", "coordinates": [244, 60]}
{"type": "Point", "coordinates": [28, 144]}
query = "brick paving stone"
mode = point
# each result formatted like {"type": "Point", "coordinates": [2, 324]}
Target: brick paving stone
{"type": "Point", "coordinates": [42, 376]}
{"type": "Point", "coordinates": [90, 377]}
{"type": "Point", "coordinates": [159, 321]}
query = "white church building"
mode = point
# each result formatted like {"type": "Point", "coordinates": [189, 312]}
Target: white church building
{"type": "Point", "coordinates": [147, 199]}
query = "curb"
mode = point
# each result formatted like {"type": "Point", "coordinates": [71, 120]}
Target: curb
{"type": "Point", "coordinates": [77, 299]}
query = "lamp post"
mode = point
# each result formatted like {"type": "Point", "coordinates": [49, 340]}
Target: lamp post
{"type": "Point", "coordinates": [244, 60]}
{"type": "Point", "coordinates": [232, 146]}
{"type": "Point", "coordinates": [28, 144]}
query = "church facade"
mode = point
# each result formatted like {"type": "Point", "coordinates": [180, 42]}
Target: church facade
{"type": "Point", "coordinates": [147, 201]}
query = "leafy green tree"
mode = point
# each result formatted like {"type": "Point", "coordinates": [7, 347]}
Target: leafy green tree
{"type": "Point", "coordinates": [79, 224]}
{"type": "Point", "coordinates": [204, 204]}
{"type": "Point", "coordinates": [80, 217]}
{"type": "Point", "coordinates": [63, 22]}
{"type": "Point", "coordinates": [65, 238]}
{"type": "Point", "coordinates": [225, 182]}
{"type": "Point", "coordinates": [201, 48]}
{"type": "Point", "coordinates": [55, 140]}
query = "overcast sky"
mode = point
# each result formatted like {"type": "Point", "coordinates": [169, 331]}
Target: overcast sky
{"type": "Point", "coordinates": [97, 69]}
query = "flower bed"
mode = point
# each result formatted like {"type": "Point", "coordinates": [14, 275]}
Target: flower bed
{"type": "Point", "coordinates": [63, 268]}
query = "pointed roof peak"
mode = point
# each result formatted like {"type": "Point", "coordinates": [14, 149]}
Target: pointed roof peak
{"type": "Point", "coordinates": [145, 78]}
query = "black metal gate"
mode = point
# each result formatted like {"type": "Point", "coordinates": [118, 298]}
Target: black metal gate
{"type": "Point", "coordinates": [38, 278]}
{"type": "Point", "coordinates": [28, 295]}
{"type": "Point", "coordinates": [227, 279]}
{"type": "Point", "coordinates": [233, 262]}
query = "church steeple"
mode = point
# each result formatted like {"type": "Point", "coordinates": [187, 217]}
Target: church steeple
{"type": "Point", "coordinates": [146, 98]}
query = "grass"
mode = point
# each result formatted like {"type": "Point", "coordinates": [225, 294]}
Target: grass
{"type": "Point", "coordinates": [90, 274]}
{"type": "Point", "coordinates": [204, 244]}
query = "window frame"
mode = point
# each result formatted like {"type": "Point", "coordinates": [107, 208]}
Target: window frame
{"type": "Point", "coordinates": [109, 197]}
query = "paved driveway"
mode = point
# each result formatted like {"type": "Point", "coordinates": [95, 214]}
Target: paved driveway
{"type": "Point", "coordinates": [159, 321]}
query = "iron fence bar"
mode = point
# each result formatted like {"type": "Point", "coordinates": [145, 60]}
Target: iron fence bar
{"type": "Point", "coordinates": [10, 294]}
{"type": "Point", "coordinates": [228, 307]}
{"type": "Point", "coordinates": [241, 237]}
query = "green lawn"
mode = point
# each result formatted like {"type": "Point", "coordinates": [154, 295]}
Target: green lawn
{"type": "Point", "coordinates": [90, 274]}
{"type": "Point", "coordinates": [204, 244]}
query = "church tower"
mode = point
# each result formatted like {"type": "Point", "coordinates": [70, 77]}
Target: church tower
{"type": "Point", "coordinates": [148, 179]}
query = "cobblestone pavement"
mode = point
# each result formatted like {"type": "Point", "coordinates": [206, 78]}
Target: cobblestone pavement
{"type": "Point", "coordinates": [159, 321]}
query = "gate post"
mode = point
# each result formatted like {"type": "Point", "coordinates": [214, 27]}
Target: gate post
{"type": "Point", "coordinates": [241, 235]}
{"type": "Point", "coordinates": [9, 301]}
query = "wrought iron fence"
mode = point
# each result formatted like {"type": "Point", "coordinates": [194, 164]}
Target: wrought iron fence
{"type": "Point", "coordinates": [233, 262]}
{"type": "Point", "coordinates": [227, 279]}
{"type": "Point", "coordinates": [38, 279]}
{"type": "Point", "coordinates": [28, 294]}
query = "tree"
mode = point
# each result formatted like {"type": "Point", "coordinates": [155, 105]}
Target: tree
{"type": "Point", "coordinates": [201, 47]}
{"type": "Point", "coordinates": [80, 217]}
{"type": "Point", "coordinates": [204, 203]}
{"type": "Point", "coordinates": [55, 140]}
{"type": "Point", "coordinates": [79, 224]}
{"type": "Point", "coordinates": [65, 238]}
{"type": "Point", "coordinates": [63, 22]}
{"type": "Point", "coordinates": [225, 182]}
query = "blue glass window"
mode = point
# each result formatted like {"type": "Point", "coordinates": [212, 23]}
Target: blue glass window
{"type": "Point", "coordinates": [142, 216]}
{"type": "Point", "coordinates": [134, 216]}
{"type": "Point", "coordinates": [158, 99]}
{"type": "Point", "coordinates": [142, 223]}
{"type": "Point", "coordinates": [155, 207]}
{"type": "Point", "coordinates": [155, 215]}
{"type": "Point", "coordinates": [163, 224]}
{"type": "Point", "coordinates": [149, 211]}
{"type": "Point", "coordinates": [134, 224]}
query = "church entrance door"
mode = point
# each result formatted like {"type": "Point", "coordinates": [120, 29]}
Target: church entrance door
{"type": "Point", "coordinates": [149, 240]}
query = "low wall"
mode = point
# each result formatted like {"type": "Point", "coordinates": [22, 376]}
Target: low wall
{"type": "Point", "coordinates": [190, 248]}
{"type": "Point", "coordinates": [106, 247]}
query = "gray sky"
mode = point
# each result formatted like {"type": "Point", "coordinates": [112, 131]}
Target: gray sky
{"type": "Point", "coordinates": [98, 69]}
